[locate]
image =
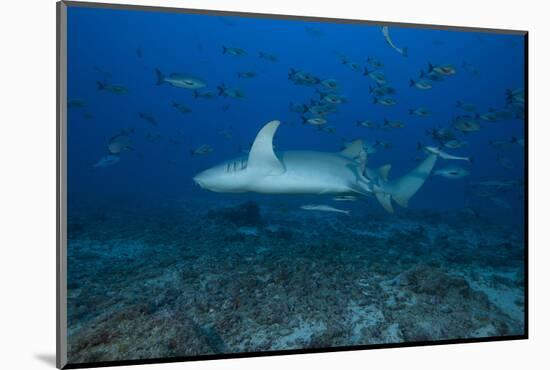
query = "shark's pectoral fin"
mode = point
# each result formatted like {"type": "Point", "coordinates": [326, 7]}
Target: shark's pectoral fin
{"type": "Point", "coordinates": [385, 201]}
{"type": "Point", "coordinates": [262, 158]}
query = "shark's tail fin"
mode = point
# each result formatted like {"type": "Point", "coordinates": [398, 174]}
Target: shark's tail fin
{"type": "Point", "coordinates": [401, 190]}
{"type": "Point", "coordinates": [407, 186]}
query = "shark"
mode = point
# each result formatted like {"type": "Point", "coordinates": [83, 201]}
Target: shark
{"type": "Point", "coordinates": [312, 172]}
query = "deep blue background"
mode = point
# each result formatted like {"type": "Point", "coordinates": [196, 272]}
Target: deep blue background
{"type": "Point", "coordinates": [155, 172]}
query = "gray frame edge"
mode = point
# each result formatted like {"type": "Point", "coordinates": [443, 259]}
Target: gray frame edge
{"type": "Point", "coordinates": [61, 152]}
{"type": "Point", "coordinates": [290, 17]}
{"type": "Point", "coordinates": [61, 188]}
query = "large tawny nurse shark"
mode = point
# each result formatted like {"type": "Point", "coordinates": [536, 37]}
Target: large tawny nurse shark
{"type": "Point", "coordinates": [311, 172]}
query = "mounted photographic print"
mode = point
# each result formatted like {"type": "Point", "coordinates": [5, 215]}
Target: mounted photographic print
{"type": "Point", "coordinates": [234, 184]}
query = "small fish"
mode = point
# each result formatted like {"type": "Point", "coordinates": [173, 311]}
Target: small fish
{"type": "Point", "coordinates": [247, 74]}
{"type": "Point", "coordinates": [375, 63]}
{"type": "Point", "coordinates": [455, 144]}
{"type": "Point", "coordinates": [316, 121]}
{"type": "Point", "coordinates": [202, 150]}
{"type": "Point", "coordinates": [267, 56]}
{"type": "Point", "coordinates": [345, 198]}
{"type": "Point", "coordinates": [353, 65]}
{"type": "Point", "coordinates": [321, 108]}
{"type": "Point", "coordinates": [376, 76]}
{"type": "Point", "coordinates": [181, 80]}
{"type": "Point", "coordinates": [323, 208]}
{"type": "Point", "coordinates": [332, 98]}
{"type": "Point", "coordinates": [489, 117]}
{"type": "Point", "coordinates": [516, 96]}
{"type": "Point", "coordinates": [107, 161]}
{"type": "Point", "coordinates": [381, 90]}
{"type": "Point", "coordinates": [302, 78]}
{"type": "Point", "coordinates": [421, 84]}
{"type": "Point", "coordinates": [238, 52]}
{"type": "Point", "coordinates": [432, 76]}
{"type": "Point", "coordinates": [466, 124]}
{"type": "Point", "coordinates": [452, 172]}
{"type": "Point", "coordinates": [366, 123]}
{"type": "Point", "coordinates": [441, 134]}
{"type": "Point", "coordinates": [148, 117]}
{"type": "Point", "coordinates": [298, 108]}
{"type": "Point", "coordinates": [181, 107]}
{"type": "Point", "coordinates": [421, 111]}
{"type": "Point", "coordinates": [231, 92]}
{"type": "Point", "coordinates": [120, 142]}
{"type": "Point", "coordinates": [466, 106]}
{"type": "Point", "coordinates": [442, 154]}
{"type": "Point", "coordinates": [384, 100]}
{"type": "Point", "coordinates": [209, 94]}
{"type": "Point", "coordinates": [386, 32]}
{"type": "Point", "coordinates": [394, 123]}
{"type": "Point", "coordinates": [330, 83]}
{"type": "Point", "coordinates": [115, 89]}
{"type": "Point", "coordinates": [444, 69]}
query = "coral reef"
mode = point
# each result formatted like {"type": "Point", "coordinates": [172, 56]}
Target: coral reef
{"type": "Point", "coordinates": [184, 282]}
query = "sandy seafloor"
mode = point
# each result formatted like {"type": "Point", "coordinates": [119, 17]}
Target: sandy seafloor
{"type": "Point", "coordinates": [188, 280]}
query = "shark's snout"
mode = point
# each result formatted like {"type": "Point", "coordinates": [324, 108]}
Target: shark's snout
{"type": "Point", "coordinates": [197, 181]}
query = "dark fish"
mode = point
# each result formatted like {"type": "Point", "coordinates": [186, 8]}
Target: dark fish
{"type": "Point", "coordinates": [269, 57]}
{"type": "Point", "coordinates": [115, 89]}
{"type": "Point", "coordinates": [148, 117]}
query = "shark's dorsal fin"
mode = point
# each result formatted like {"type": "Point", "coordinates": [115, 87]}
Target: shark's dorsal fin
{"type": "Point", "coordinates": [353, 149]}
{"type": "Point", "coordinates": [262, 158]}
{"type": "Point", "coordinates": [383, 171]}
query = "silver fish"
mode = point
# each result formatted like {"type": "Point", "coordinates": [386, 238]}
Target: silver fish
{"type": "Point", "coordinates": [323, 208]}
{"type": "Point", "coordinates": [181, 80]}
{"type": "Point", "coordinates": [386, 32]}
{"type": "Point", "coordinates": [452, 172]}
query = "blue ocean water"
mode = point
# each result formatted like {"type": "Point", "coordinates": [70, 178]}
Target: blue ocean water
{"type": "Point", "coordinates": [159, 266]}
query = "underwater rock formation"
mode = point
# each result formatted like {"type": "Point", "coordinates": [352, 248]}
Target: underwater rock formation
{"type": "Point", "coordinates": [245, 214]}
